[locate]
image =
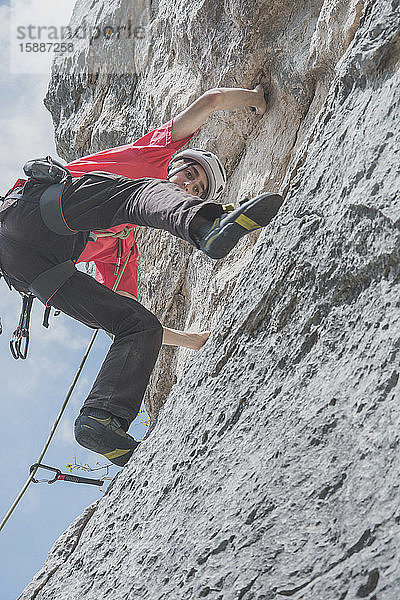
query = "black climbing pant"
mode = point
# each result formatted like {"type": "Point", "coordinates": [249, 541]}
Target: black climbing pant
{"type": "Point", "coordinates": [99, 201]}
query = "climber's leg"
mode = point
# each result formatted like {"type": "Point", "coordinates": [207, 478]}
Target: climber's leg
{"type": "Point", "coordinates": [102, 200]}
{"type": "Point", "coordinates": [98, 201]}
{"type": "Point", "coordinates": [124, 375]}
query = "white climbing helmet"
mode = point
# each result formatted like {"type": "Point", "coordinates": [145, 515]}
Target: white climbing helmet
{"type": "Point", "coordinates": [211, 164]}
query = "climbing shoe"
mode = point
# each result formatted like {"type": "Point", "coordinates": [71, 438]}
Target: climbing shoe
{"type": "Point", "coordinates": [219, 239]}
{"type": "Point", "coordinates": [104, 433]}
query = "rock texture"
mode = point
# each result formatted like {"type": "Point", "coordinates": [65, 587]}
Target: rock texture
{"type": "Point", "coordinates": [273, 470]}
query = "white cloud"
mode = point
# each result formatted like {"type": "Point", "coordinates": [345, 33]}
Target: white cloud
{"type": "Point", "coordinates": [64, 434]}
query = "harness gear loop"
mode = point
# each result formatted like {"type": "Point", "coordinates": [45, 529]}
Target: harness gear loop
{"type": "Point", "coordinates": [46, 317]}
{"type": "Point", "coordinates": [62, 476]}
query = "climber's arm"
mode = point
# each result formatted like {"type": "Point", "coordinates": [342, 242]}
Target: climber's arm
{"type": "Point", "coordinates": [188, 121]}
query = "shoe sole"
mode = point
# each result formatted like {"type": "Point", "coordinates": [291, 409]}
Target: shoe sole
{"type": "Point", "coordinates": [92, 435]}
{"type": "Point", "coordinates": [252, 215]}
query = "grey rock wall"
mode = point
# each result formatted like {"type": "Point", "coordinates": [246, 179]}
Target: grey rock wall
{"type": "Point", "coordinates": [273, 470]}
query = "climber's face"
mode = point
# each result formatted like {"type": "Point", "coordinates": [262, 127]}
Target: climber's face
{"type": "Point", "coordinates": [192, 179]}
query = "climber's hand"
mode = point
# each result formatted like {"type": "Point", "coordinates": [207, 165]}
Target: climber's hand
{"type": "Point", "coordinates": [126, 294]}
{"type": "Point", "coordinates": [199, 339]}
{"type": "Point", "coordinates": [186, 339]}
{"type": "Point", "coordinates": [260, 104]}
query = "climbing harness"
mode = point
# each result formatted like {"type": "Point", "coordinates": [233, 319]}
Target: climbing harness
{"type": "Point", "coordinates": [53, 278]}
{"type": "Point", "coordinates": [48, 171]}
{"type": "Point", "coordinates": [64, 476]}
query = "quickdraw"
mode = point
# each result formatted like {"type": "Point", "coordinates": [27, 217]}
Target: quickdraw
{"type": "Point", "coordinates": [19, 342]}
{"type": "Point", "coordinates": [64, 476]}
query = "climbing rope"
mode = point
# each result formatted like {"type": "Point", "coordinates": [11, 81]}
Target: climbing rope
{"type": "Point", "coordinates": [122, 235]}
{"type": "Point", "coordinates": [38, 464]}
{"type": "Point", "coordinates": [119, 235]}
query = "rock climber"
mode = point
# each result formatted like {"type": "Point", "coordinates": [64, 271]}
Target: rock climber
{"type": "Point", "coordinates": [199, 172]}
{"type": "Point", "coordinates": [46, 227]}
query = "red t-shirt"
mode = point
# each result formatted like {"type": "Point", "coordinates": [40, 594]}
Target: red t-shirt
{"type": "Point", "coordinates": [147, 157]}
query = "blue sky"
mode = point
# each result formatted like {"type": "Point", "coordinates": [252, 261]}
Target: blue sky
{"type": "Point", "coordinates": [32, 391]}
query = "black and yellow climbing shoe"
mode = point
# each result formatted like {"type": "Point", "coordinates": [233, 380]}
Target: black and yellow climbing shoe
{"type": "Point", "coordinates": [219, 239]}
{"type": "Point", "coordinates": [104, 433]}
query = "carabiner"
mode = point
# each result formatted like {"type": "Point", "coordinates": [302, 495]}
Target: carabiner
{"type": "Point", "coordinates": [39, 465]}
{"type": "Point", "coordinates": [20, 339]}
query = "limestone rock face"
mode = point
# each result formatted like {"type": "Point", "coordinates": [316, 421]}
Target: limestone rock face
{"type": "Point", "coordinates": [273, 468]}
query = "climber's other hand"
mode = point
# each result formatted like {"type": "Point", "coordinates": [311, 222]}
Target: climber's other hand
{"type": "Point", "coordinates": [260, 104]}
